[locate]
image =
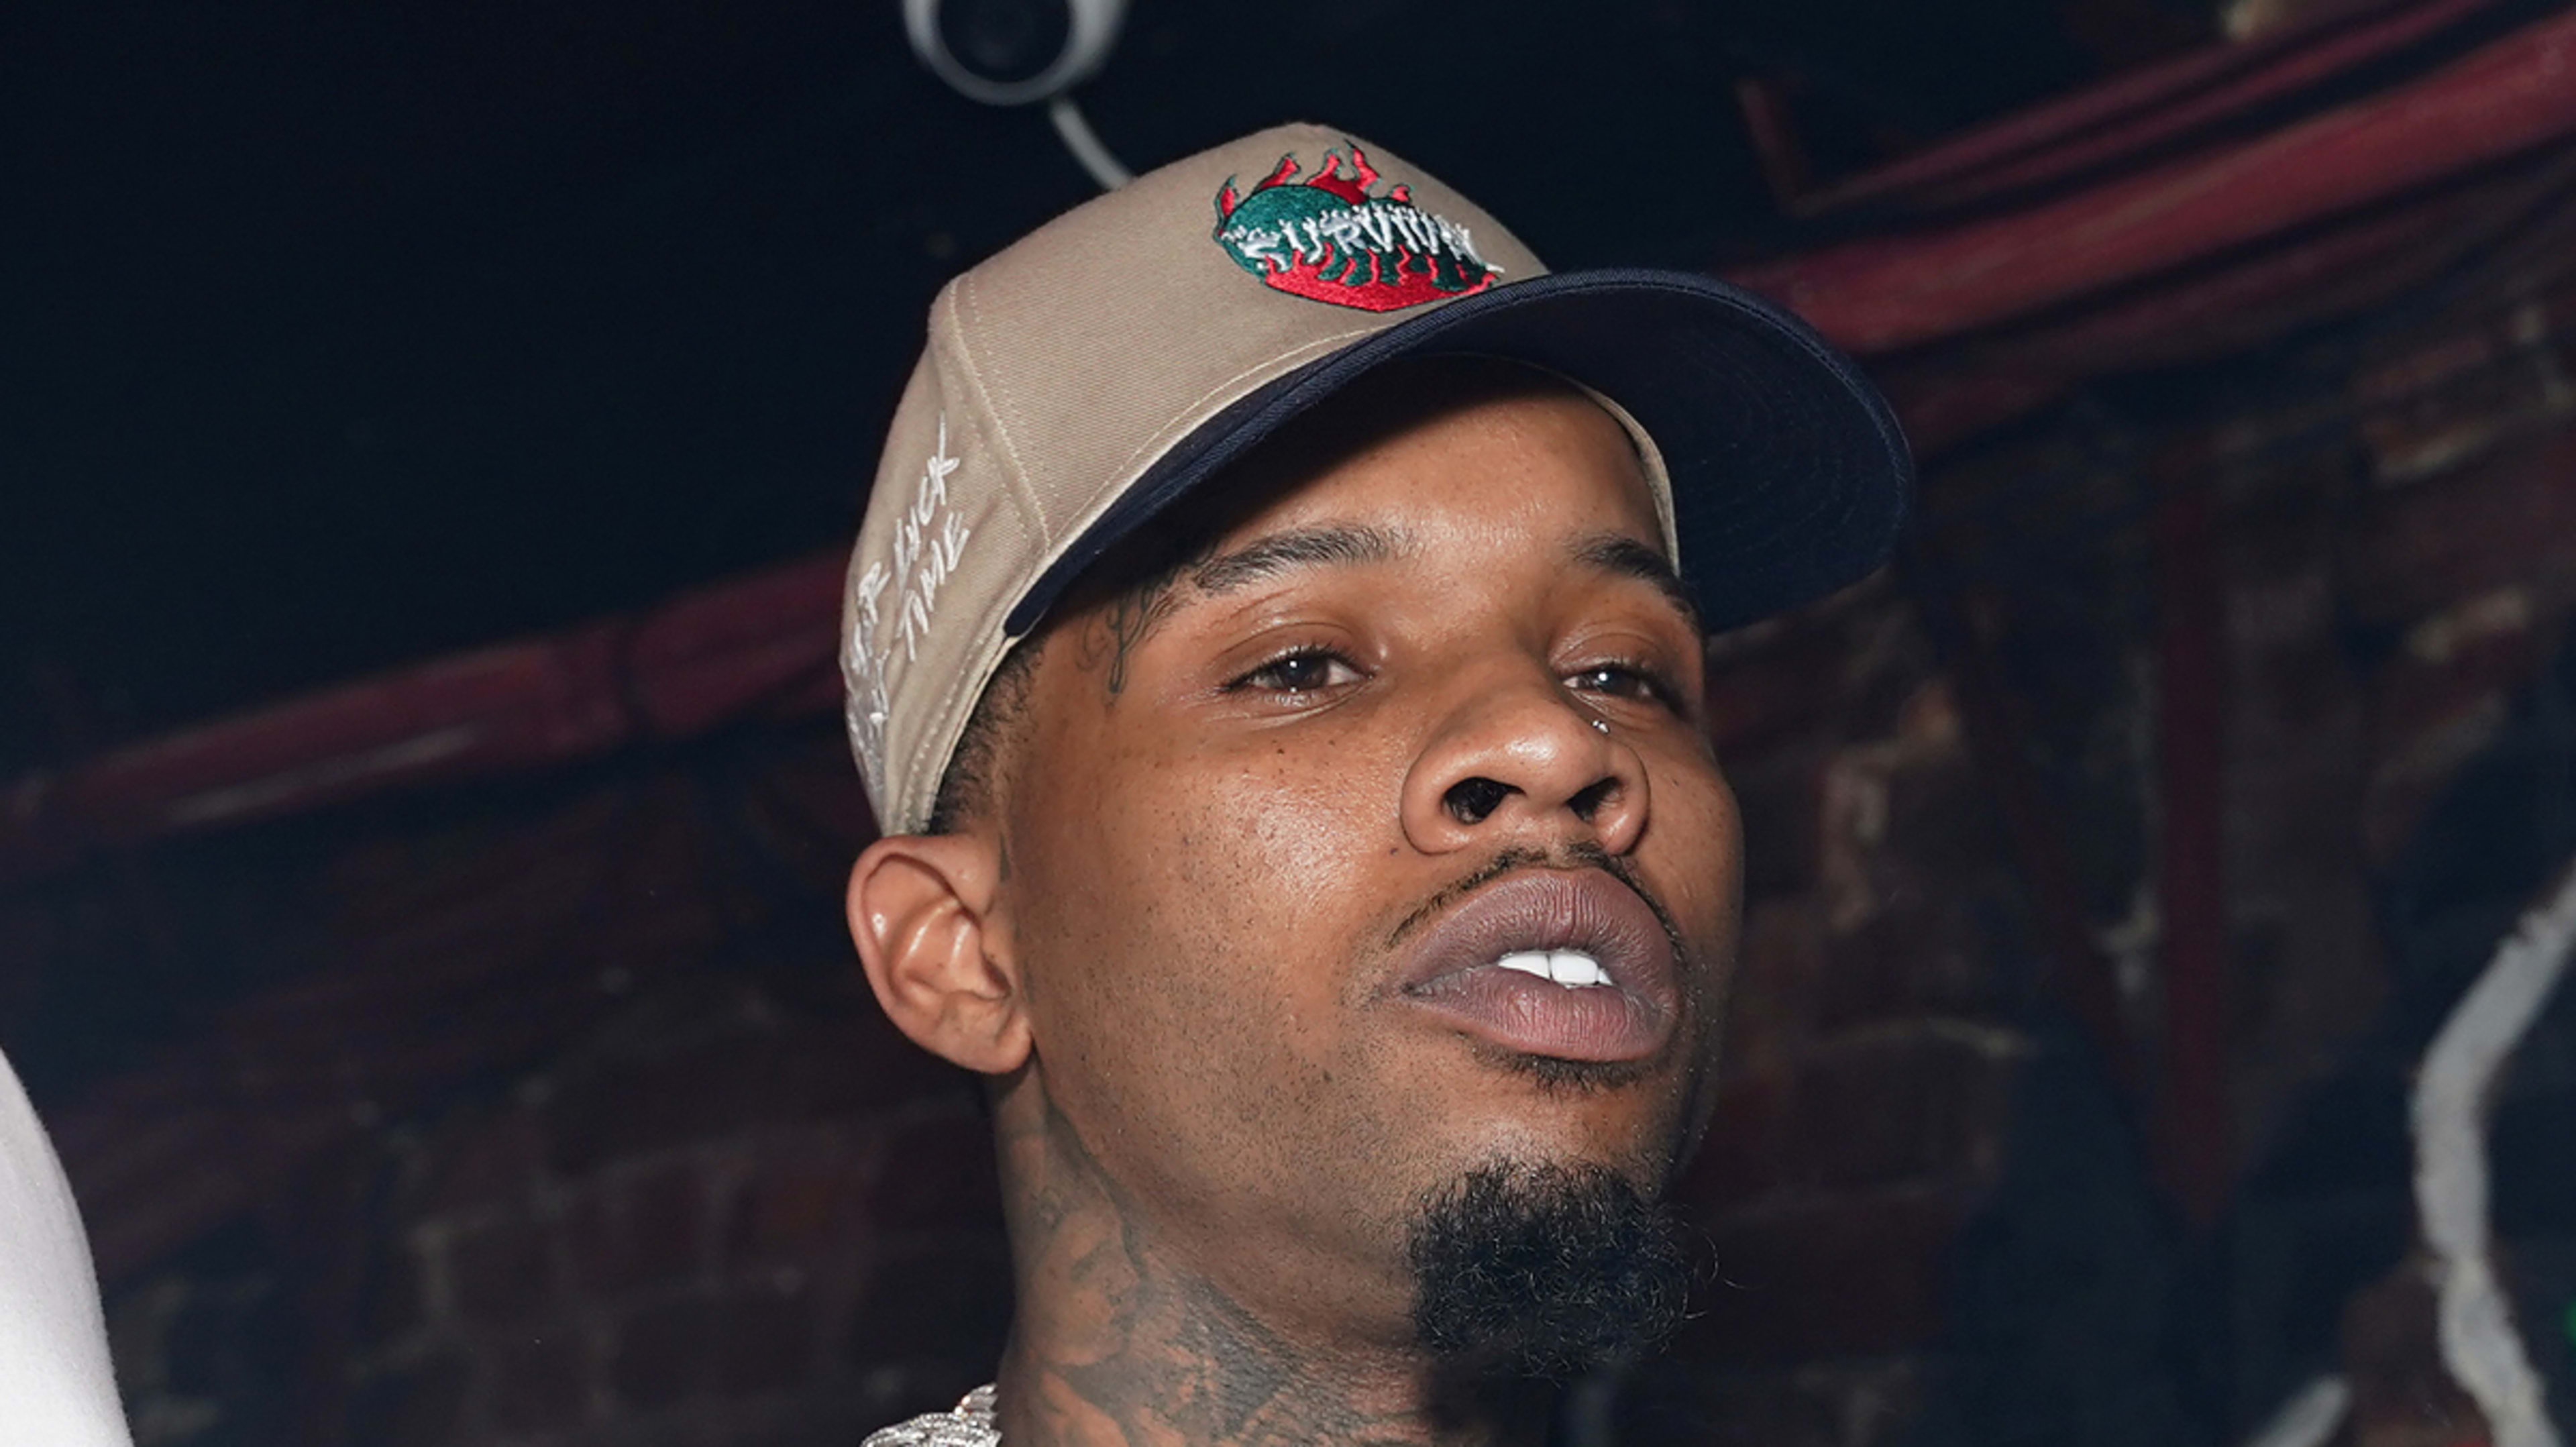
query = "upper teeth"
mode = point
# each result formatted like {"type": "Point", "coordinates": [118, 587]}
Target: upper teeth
{"type": "Point", "coordinates": [1570, 968]}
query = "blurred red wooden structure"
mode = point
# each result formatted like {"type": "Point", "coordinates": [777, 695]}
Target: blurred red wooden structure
{"type": "Point", "coordinates": [2168, 216]}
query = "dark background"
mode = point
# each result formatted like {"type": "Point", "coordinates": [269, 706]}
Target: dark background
{"type": "Point", "coordinates": [337, 336]}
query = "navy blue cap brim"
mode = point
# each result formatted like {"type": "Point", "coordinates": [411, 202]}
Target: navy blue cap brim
{"type": "Point", "coordinates": [1790, 477]}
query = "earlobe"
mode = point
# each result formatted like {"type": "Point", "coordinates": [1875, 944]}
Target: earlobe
{"type": "Point", "coordinates": [922, 912]}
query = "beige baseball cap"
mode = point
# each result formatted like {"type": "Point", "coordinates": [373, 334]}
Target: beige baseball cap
{"type": "Point", "coordinates": [1082, 380]}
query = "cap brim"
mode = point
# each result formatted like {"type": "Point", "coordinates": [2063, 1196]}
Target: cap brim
{"type": "Point", "coordinates": [1790, 477]}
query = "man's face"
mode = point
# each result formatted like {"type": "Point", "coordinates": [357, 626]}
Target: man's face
{"type": "Point", "coordinates": [1288, 839]}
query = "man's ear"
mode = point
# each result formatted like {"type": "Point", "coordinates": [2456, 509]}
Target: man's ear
{"type": "Point", "coordinates": [922, 912]}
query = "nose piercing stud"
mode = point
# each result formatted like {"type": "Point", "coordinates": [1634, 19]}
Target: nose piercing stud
{"type": "Point", "coordinates": [1601, 724]}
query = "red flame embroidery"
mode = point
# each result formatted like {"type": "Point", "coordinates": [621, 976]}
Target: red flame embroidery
{"type": "Point", "coordinates": [1377, 253]}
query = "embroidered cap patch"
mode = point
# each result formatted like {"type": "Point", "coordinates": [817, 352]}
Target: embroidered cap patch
{"type": "Point", "coordinates": [1325, 237]}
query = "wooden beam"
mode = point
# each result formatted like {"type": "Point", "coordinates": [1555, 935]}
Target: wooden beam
{"type": "Point", "coordinates": [1890, 293]}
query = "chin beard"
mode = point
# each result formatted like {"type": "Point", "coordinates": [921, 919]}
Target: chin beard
{"type": "Point", "coordinates": [1543, 1273]}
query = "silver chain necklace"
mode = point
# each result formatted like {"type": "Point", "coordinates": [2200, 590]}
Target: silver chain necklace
{"type": "Point", "coordinates": [968, 1424]}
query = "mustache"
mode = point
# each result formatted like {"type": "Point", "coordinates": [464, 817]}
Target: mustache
{"type": "Point", "coordinates": [1582, 854]}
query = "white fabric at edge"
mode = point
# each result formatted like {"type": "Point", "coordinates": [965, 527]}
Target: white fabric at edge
{"type": "Point", "coordinates": [56, 1386]}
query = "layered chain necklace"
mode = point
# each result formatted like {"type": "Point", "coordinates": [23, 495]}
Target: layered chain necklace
{"type": "Point", "coordinates": [968, 1424]}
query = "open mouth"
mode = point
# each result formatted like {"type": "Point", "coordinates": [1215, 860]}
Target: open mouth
{"type": "Point", "coordinates": [1573, 969]}
{"type": "Point", "coordinates": [1571, 965]}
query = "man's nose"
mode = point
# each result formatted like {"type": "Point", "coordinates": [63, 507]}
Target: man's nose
{"type": "Point", "coordinates": [1520, 758]}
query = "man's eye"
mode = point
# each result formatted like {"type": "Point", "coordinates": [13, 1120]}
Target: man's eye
{"type": "Point", "coordinates": [1620, 680]}
{"type": "Point", "coordinates": [1302, 672]}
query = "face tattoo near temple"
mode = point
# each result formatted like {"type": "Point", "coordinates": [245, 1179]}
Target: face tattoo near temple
{"type": "Point", "coordinates": [1274, 651]}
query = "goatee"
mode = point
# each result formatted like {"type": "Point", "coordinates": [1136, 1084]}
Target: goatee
{"type": "Point", "coordinates": [1542, 1273]}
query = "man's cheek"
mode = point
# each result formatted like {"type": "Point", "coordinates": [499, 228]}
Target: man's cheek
{"type": "Point", "coordinates": [1280, 808]}
{"type": "Point", "coordinates": [1700, 846]}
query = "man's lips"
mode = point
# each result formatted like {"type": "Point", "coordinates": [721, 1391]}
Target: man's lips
{"type": "Point", "coordinates": [1454, 968]}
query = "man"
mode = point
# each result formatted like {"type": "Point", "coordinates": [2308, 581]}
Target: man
{"type": "Point", "coordinates": [1270, 657]}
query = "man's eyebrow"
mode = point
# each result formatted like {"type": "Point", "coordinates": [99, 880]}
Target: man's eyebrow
{"type": "Point", "coordinates": [1267, 557]}
{"type": "Point", "coordinates": [1624, 555]}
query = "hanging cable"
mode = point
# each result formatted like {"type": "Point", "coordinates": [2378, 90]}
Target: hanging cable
{"type": "Point", "coordinates": [1085, 145]}
{"type": "Point", "coordinates": [2309, 1418]}
{"type": "Point", "coordinates": [2453, 1089]}
{"type": "Point", "coordinates": [1020, 52]}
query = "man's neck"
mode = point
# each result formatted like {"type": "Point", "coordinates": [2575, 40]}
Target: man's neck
{"type": "Point", "coordinates": [1118, 1343]}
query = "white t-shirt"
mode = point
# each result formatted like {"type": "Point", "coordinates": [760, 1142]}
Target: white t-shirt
{"type": "Point", "coordinates": [56, 1387]}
